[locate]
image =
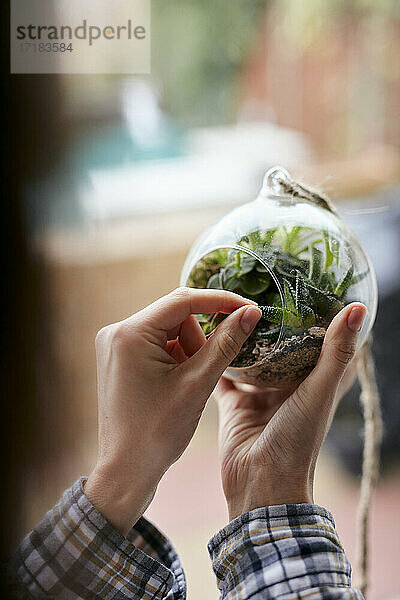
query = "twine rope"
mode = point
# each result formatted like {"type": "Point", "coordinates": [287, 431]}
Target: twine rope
{"type": "Point", "coordinates": [373, 427]}
{"type": "Point", "coordinates": [369, 400]}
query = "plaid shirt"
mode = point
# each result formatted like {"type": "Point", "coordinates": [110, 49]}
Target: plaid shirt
{"type": "Point", "coordinates": [287, 552]}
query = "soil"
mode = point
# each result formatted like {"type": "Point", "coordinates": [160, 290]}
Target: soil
{"type": "Point", "coordinates": [294, 359]}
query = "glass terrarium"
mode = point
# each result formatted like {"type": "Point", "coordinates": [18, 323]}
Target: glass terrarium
{"type": "Point", "coordinates": [299, 262]}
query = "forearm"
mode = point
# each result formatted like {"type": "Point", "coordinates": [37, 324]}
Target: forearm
{"type": "Point", "coordinates": [121, 502]}
{"type": "Point", "coordinates": [285, 552]}
{"type": "Point", "coordinates": [74, 552]}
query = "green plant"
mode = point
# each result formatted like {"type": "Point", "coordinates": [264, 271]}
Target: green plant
{"type": "Point", "coordinates": [305, 261]}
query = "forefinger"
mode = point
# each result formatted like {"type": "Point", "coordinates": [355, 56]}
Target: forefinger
{"type": "Point", "coordinates": [172, 310]}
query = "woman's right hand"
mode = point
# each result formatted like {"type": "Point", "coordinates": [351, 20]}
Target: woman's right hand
{"type": "Point", "coordinates": [270, 440]}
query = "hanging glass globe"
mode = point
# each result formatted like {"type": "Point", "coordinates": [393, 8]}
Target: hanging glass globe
{"type": "Point", "coordinates": [292, 254]}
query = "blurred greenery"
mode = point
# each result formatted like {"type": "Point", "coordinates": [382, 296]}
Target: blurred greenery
{"type": "Point", "coordinates": [304, 21]}
{"type": "Point", "coordinates": [198, 48]}
{"type": "Point", "coordinates": [197, 51]}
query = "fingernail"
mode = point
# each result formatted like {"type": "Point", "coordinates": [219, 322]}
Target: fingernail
{"type": "Point", "coordinates": [250, 318]}
{"type": "Point", "coordinates": [251, 301]}
{"type": "Point", "coordinates": [356, 318]}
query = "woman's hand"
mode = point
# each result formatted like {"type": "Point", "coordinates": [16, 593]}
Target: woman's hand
{"type": "Point", "coordinates": [155, 374]}
{"type": "Point", "coordinates": [270, 440]}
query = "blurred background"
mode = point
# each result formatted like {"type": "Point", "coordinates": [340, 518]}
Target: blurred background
{"type": "Point", "coordinates": [115, 177]}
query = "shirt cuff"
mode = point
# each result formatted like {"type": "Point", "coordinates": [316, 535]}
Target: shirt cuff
{"type": "Point", "coordinates": [279, 550]}
{"type": "Point", "coordinates": [75, 550]}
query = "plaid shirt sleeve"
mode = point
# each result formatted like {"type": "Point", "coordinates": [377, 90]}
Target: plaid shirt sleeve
{"type": "Point", "coordinates": [75, 553]}
{"type": "Point", "coordinates": [287, 552]}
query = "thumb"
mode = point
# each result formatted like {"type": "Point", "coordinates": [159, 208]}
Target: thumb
{"type": "Point", "coordinates": [225, 343]}
{"type": "Point", "coordinates": [337, 352]}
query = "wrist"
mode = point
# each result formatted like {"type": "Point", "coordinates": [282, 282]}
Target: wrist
{"type": "Point", "coordinates": [121, 502]}
{"type": "Point", "coordinates": [247, 501]}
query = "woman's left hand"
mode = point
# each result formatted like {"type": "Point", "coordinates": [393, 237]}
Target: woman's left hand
{"type": "Point", "coordinates": [155, 373]}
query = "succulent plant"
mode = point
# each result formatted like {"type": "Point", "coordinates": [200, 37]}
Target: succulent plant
{"type": "Point", "coordinates": [303, 259]}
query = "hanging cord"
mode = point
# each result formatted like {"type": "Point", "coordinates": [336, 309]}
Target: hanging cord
{"type": "Point", "coordinates": [369, 396]}
{"type": "Point", "coordinates": [298, 190]}
{"type": "Point", "coordinates": [370, 402]}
